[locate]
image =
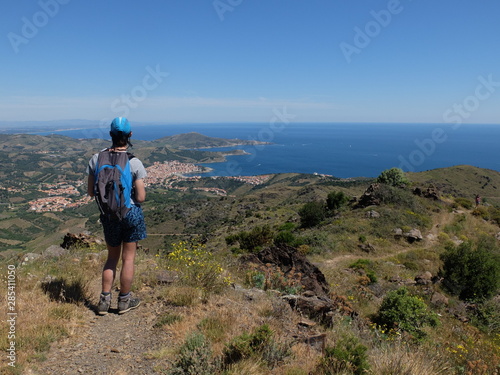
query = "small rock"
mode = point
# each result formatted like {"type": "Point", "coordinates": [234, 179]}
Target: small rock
{"type": "Point", "coordinates": [439, 299]}
{"type": "Point", "coordinates": [413, 235]}
{"type": "Point", "coordinates": [367, 247]}
{"type": "Point", "coordinates": [396, 279]}
{"type": "Point", "coordinates": [372, 214]}
{"type": "Point", "coordinates": [53, 251]}
{"type": "Point", "coordinates": [29, 257]}
{"type": "Point", "coordinates": [306, 323]}
{"type": "Point", "coordinates": [167, 277]}
{"type": "Point", "coordinates": [424, 279]}
{"type": "Point", "coordinates": [318, 342]}
{"type": "Point", "coordinates": [398, 233]}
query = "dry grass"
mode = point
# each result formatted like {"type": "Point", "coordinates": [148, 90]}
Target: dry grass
{"type": "Point", "coordinates": [50, 296]}
{"type": "Point", "coordinates": [401, 360]}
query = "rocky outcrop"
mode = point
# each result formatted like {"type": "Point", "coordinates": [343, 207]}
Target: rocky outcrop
{"type": "Point", "coordinates": [367, 247]}
{"type": "Point", "coordinates": [321, 309]}
{"type": "Point", "coordinates": [80, 239]}
{"type": "Point", "coordinates": [424, 278]}
{"type": "Point", "coordinates": [290, 262]}
{"type": "Point", "coordinates": [369, 197]}
{"type": "Point", "coordinates": [430, 192]}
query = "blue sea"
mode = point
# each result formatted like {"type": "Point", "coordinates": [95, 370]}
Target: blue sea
{"type": "Point", "coordinates": [342, 150]}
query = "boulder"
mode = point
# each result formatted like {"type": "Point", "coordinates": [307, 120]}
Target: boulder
{"type": "Point", "coordinates": [81, 239]}
{"type": "Point", "coordinates": [369, 197]}
{"type": "Point", "coordinates": [321, 309]}
{"type": "Point", "coordinates": [372, 214]}
{"type": "Point", "coordinates": [290, 262]}
{"type": "Point", "coordinates": [497, 236]}
{"type": "Point", "coordinates": [413, 235]}
{"type": "Point", "coordinates": [398, 233]}
{"type": "Point", "coordinates": [424, 278]}
{"type": "Point", "coordinates": [439, 299]}
{"type": "Point", "coordinates": [28, 258]}
{"type": "Point", "coordinates": [54, 251]}
{"type": "Point", "coordinates": [431, 192]}
{"type": "Point", "coordinates": [367, 247]}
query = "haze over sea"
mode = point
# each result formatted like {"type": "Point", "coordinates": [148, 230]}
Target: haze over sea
{"type": "Point", "coordinates": [342, 150]}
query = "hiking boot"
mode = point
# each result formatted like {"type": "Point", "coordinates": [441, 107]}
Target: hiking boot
{"type": "Point", "coordinates": [127, 303]}
{"type": "Point", "coordinates": [104, 304]}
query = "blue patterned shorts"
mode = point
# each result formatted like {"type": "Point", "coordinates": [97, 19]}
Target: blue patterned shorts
{"type": "Point", "coordinates": [131, 229]}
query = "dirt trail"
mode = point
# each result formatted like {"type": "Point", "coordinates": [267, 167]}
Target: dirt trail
{"type": "Point", "coordinates": [110, 344]}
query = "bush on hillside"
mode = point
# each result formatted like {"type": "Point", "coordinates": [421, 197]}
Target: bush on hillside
{"type": "Point", "coordinates": [472, 270]}
{"type": "Point", "coordinates": [311, 214]}
{"type": "Point", "coordinates": [393, 177]}
{"type": "Point", "coordinates": [195, 357]}
{"type": "Point", "coordinates": [348, 356]}
{"type": "Point", "coordinates": [400, 310]}
{"type": "Point", "coordinates": [254, 240]}
{"type": "Point", "coordinates": [463, 202]}
{"type": "Point", "coordinates": [336, 199]}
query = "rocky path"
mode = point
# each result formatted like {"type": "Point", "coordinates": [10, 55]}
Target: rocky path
{"type": "Point", "coordinates": [110, 344]}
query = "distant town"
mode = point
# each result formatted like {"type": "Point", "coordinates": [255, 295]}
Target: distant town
{"type": "Point", "coordinates": [64, 195]}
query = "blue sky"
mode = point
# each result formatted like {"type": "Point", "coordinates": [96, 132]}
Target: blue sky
{"type": "Point", "coordinates": [185, 61]}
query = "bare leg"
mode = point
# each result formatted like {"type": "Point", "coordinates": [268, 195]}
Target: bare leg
{"type": "Point", "coordinates": [109, 271]}
{"type": "Point", "coordinates": [127, 272]}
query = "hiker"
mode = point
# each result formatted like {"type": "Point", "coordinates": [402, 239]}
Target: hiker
{"type": "Point", "coordinates": [478, 200]}
{"type": "Point", "coordinates": [123, 226]}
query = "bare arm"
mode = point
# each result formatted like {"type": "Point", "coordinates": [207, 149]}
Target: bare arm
{"type": "Point", "coordinates": [140, 191]}
{"type": "Point", "coordinates": [90, 185]}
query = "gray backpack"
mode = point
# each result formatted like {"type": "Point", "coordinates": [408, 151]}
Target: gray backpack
{"type": "Point", "coordinates": [113, 184]}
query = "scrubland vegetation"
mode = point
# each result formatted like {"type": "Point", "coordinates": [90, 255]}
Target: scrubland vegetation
{"type": "Point", "coordinates": [406, 305]}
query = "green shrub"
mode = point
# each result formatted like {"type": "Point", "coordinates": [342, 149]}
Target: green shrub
{"type": "Point", "coordinates": [247, 344]}
{"type": "Point", "coordinates": [403, 311]}
{"type": "Point", "coordinates": [486, 316]}
{"type": "Point", "coordinates": [285, 238]}
{"type": "Point", "coordinates": [472, 271]}
{"type": "Point", "coordinates": [254, 240]}
{"type": "Point", "coordinates": [367, 266]}
{"type": "Point", "coordinates": [336, 199]}
{"type": "Point", "coordinates": [464, 202]}
{"type": "Point", "coordinates": [348, 356]}
{"type": "Point", "coordinates": [495, 214]}
{"type": "Point", "coordinates": [393, 177]}
{"type": "Point", "coordinates": [311, 214]}
{"type": "Point", "coordinates": [195, 357]}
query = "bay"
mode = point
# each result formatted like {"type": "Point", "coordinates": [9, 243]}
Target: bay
{"type": "Point", "coordinates": [339, 149]}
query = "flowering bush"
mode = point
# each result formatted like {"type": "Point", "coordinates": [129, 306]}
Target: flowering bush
{"type": "Point", "coordinates": [197, 267]}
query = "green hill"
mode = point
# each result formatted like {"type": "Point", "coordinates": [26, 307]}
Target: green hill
{"type": "Point", "coordinates": [463, 181]}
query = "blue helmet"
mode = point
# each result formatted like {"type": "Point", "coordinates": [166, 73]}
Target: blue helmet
{"type": "Point", "coordinates": [120, 124]}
